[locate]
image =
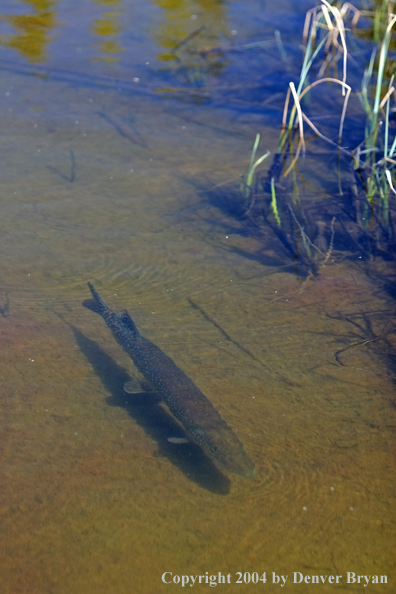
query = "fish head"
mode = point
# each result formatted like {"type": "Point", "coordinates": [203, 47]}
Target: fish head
{"type": "Point", "coordinates": [224, 446]}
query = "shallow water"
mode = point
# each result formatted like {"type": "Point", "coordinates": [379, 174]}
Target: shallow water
{"type": "Point", "coordinates": [106, 179]}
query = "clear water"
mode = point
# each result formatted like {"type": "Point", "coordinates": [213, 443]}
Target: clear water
{"type": "Point", "coordinates": [108, 148]}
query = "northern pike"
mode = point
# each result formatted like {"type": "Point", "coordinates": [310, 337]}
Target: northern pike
{"type": "Point", "coordinates": [201, 421]}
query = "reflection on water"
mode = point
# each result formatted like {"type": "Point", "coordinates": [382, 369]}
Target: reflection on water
{"type": "Point", "coordinates": [194, 50]}
{"type": "Point", "coordinates": [31, 32]}
{"type": "Point", "coordinates": [108, 29]}
{"type": "Point", "coordinates": [181, 47]}
{"type": "Point", "coordinates": [189, 35]}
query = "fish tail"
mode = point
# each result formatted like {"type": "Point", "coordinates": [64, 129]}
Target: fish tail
{"type": "Point", "coordinates": [96, 304]}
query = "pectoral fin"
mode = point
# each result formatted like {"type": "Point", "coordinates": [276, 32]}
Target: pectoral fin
{"type": "Point", "coordinates": [178, 440]}
{"type": "Point", "coordinates": [133, 386]}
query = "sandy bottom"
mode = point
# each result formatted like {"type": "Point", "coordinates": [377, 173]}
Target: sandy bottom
{"type": "Point", "coordinates": [95, 500]}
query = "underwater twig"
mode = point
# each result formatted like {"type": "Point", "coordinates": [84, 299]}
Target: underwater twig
{"type": "Point", "coordinates": [224, 333]}
{"type": "Point", "coordinates": [366, 341]}
{"type": "Point", "coordinates": [351, 346]}
{"type": "Point", "coordinates": [303, 234]}
{"type": "Point", "coordinates": [69, 178]}
{"type": "Point", "coordinates": [209, 318]}
{"type": "Point", "coordinates": [328, 253]}
{"type": "Point", "coordinates": [188, 38]}
{"type": "Point", "coordinates": [137, 139]}
{"type": "Point", "coordinates": [5, 309]}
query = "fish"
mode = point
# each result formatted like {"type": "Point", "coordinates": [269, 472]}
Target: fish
{"type": "Point", "coordinates": [201, 421]}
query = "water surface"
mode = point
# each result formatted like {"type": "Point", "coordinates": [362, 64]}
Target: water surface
{"type": "Point", "coordinates": [115, 126]}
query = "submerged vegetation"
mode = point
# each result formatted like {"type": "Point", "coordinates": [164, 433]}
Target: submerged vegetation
{"type": "Point", "coordinates": [359, 212]}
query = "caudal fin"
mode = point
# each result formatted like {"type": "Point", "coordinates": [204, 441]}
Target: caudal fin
{"type": "Point", "coordinates": [96, 304]}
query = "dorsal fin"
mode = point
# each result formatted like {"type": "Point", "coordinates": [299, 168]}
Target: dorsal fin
{"type": "Point", "coordinates": [126, 319]}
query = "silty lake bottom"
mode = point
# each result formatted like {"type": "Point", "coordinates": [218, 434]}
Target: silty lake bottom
{"type": "Point", "coordinates": [112, 188]}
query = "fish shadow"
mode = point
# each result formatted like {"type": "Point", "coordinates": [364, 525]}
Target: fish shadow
{"type": "Point", "coordinates": [147, 411]}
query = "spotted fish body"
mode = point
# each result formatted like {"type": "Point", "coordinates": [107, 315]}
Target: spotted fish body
{"type": "Point", "coordinates": [201, 421]}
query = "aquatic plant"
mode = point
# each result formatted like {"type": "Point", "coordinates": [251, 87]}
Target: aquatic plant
{"type": "Point", "coordinates": [247, 186]}
{"type": "Point", "coordinates": [355, 214]}
{"type": "Point", "coordinates": [366, 199]}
